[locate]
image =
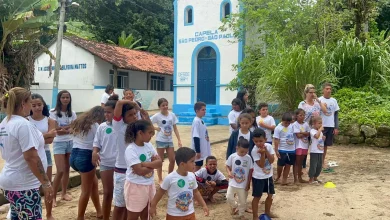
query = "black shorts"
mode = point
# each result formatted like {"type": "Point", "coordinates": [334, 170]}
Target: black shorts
{"type": "Point", "coordinates": [261, 186]}
{"type": "Point", "coordinates": [329, 136]}
{"type": "Point", "coordinates": [286, 159]}
{"type": "Point", "coordinates": [199, 163]}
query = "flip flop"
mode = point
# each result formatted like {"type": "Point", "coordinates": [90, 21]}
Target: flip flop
{"type": "Point", "coordinates": [314, 183]}
{"type": "Point", "coordinates": [328, 170]}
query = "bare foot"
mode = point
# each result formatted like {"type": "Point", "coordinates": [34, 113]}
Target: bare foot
{"type": "Point", "coordinates": [54, 202]}
{"type": "Point", "coordinates": [248, 210]}
{"type": "Point", "coordinates": [50, 218]}
{"type": "Point", "coordinates": [234, 211]}
{"type": "Point", "coordinates": [212, 200]}
{"type": "Point", "coordinates": [284, 182]}
{"type": "Point", "coordinates": [66, 197]}
{"type": "Point", "coordinates": [99, 216]}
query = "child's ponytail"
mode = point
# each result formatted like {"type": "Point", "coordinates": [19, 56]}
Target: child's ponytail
{"type": "Point", "coordinates": [133, 128]}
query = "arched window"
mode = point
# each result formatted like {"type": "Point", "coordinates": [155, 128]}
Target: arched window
{"type": "Point", "coordinates": [188, 16]}
{"type": "Point", "coordinates": [226, 9]}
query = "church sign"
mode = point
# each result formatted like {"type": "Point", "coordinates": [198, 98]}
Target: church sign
{"type": "Point", "coordinates": [209, 35]}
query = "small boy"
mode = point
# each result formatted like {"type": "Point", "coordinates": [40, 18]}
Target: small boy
{"type": "Point", "coordinates": [263, 156]}
{"type": "Point", "coordinates": [182, 188]}
{"type": "Point", "coordinates": [284, 147]}
{"type": "Point", "coordinates": [265, 121]}
{"type": "Point", "coordinates": [234, 114]}
{"type": "Point", "coordinates": [200, 136]}
{"type": "Point", "coordinates": [210, 180]}
{"type": "Point", "coordinates": [239, 167]}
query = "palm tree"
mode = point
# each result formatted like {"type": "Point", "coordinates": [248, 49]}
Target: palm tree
{"type": "Point", "coordinates": [128, 42]}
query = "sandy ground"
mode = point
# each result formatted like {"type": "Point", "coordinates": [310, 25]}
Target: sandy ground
{"type": "Point", "coordinates": [362, 182]}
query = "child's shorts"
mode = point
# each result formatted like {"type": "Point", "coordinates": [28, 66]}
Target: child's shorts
{"type": "Point", "coordinates": [286, 159]}
{"type": "Point", "coordinates": [62, 147]}
{"type": "Point", "coordinates": [199, 163]}
{"type": "Point", "coordinates": [48, 158]}
{"type": "Point", "coordinates": [138, 196]}
{"type": "Point", "coordinates": [119, 184]}
{"type": "Point", "coordinates": [187, 217]}
{"type": "Point", "coordinates": [161, 144]}
{"type": "Point", "coordinates": [300, 151]}
{"type": "Point", "coordinates": [81, 160]}
{"type": "Point", "coordinates": [261, 186]}
{"type": "Point", "coordinates": [328, 132]}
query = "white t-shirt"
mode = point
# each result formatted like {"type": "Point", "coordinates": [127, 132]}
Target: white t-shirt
{"type": "Point", "coordinates": [17, 136]}
{"type": "Point", "coordinates": [43, 127]}
{"type": "Point", "coordinates": [247, 136]}
{"type": "Point", "coordinates": [331, 107]}
{"type": "Point", "coordinates": [317, 145]}
{"type": "Point", "coordinates": [135, 154]}
{"type": "Point", "coordinates": [202, 173]}
{"type": "Point", "coordinates": [104, 98]}
{"type": "Point", "coordinates": [267, 171]}
{"type": "Point", "coordinates": [233, 119]}
{"type": "Point", "coordinates": [286, 138]}
{"type": "Point", "coordinates": [199, 130]}
{"type": "Point", "coordinates": [180, 193]}
{"type": "Point", "coordinates": [85, 141]}
{"type": "Point", "coordinates": [105, 140]}
{"type": "Point", "coordinates": [270, 121]}
{"type": "Point", "coordinates": [252, 128]}
{"type": "Point", "coordinates": [302, 143]}
{"type": "Point", "coordinates": [310, 110]}
{"type": "Point", "coordinates": [165, 123]}
{"type": "Point", "coordinates": [120, 130]}
{"type": "Point", "coordinates": [65, 120]}
{"type": "Point", "coordinates": [240, 169]}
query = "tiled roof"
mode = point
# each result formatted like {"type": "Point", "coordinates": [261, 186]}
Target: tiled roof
{"type": "Point", "coordinates": [125, 58]}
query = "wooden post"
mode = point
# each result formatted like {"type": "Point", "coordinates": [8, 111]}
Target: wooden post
{"type": "Point", "coordinates": [115, 77]}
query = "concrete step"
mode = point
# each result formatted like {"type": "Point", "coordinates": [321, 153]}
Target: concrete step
{"type": "Point", "coordinates": [192, 114]}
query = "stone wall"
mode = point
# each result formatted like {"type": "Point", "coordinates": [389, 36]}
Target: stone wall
{"type": "Point", "coordinates": [365, 134]}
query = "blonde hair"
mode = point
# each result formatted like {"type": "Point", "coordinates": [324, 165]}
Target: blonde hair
{"type": "Point", "coordinates": [314, 119]}
{"type": "Point", "coordinates": [13, 99]}
{"type": "Point", "coordinates": [307, 89]}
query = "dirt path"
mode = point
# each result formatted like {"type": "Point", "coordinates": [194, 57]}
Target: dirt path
{"type": "Point", "coordinates": [362, 191]}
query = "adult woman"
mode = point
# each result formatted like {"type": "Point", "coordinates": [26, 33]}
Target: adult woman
{"type": "Point", "coordinates": [311, 105]}
{"type": "Point", "coordinates": [22, 148]}
{"type": "Point", "coordinates": [243, 95]}
{"type": "Point", "coordinates": [107, 93]}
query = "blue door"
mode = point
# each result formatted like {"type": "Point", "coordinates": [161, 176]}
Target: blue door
{"type": "Point", "coordinates": [207, 74]}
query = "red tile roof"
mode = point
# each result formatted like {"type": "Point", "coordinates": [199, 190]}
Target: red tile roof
{"type": "Point", "coordinates": [125, 58]}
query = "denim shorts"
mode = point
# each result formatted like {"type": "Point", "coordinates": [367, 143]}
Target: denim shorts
{"type": "Point", "coordinates": [81, 160]}
{"type": "Point", "coordinates": [161, 144]}
{"type": "Point", "coordinates": [48, 157]}
{"type": "Point", "coordinates": [63, 147]}
{"type": "Point", "coordinates": [105, 168]}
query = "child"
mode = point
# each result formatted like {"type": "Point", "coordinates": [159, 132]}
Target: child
{"type": "Point", "coordinates": [39, 116]}
{"type": "Point", "coordinates": [200, 136]}
{"type": "Point", "coordinates": [104, 154]}
{"type": "Point", "coordinates": [265, 121]}
{"type": "Point", "coordinates": [84, 130]}
{"type": "Point", "coordinates": [316, 149]}
{"type": "Point", "coordinates": [63, 142]}
{"type": "Point", "coordinates": [182, 189]}
{"type": "Point", "coordinates": [128, 94]}
{"type": "Point", "coordinates": [210, 180]}
{"type": "Point", "coordinates": [301, 136]}
{"type": "Point", "coordinates": [284, 147]}
{"type": "Point", "coordinates": [166, 122]}
{"type": "Point", "coordinates": [239, 167]}
{"type": "Point", "coordinates": [263, 156]}
{"type": "Point", "coordinates": [141, 160]}
{"type": "Point", "coordinates": [234, 114]}
{"type": "Point", "coordinates": [253, 114]}
{"type": "Point", "coordinates": [244, 132]}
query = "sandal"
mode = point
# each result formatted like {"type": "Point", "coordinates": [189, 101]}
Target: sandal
{"type": "Point", "coordinates": [328, 170]}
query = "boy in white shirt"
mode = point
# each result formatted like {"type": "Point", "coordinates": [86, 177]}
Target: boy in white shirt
{"type": "Point", "coordinates": [200, 136]}
{"type": "Point", "coordinates": [263, 156]}
{"type": "Point", "coordinates": [239, 167]}
{"type": "Point", "coordinates": [316, 149]}
{"type": "Point", "coordinates": [265, 121]}
{"type": "Point", "coordinates": [182, 188]}
{"type": "Point", "coordinates": [234, 114]}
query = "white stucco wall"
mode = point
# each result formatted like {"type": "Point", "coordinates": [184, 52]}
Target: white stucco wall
{"type": "Point", "coordinates": [206, 18]}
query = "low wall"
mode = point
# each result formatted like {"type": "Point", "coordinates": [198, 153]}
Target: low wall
{"type": "Point", "coordinates": [365, 134]}
{"type": "Point", "coordinates": [86, 97]}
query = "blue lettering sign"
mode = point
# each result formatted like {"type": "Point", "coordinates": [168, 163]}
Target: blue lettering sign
{"type": "Point", "coordinates": [209, 35]}
{"type": "Point", "coordinates": [64, 67]}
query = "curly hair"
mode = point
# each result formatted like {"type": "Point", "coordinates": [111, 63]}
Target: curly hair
{"type": "Point", "coordinates": [133, 128]}
{"type": "Point", "coordinates": [82, 125]}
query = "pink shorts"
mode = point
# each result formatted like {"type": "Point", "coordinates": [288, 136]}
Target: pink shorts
{"type": "Point", "coordinates": [300, 151]}
{"type": "Point", "coordinates": [138, 196]}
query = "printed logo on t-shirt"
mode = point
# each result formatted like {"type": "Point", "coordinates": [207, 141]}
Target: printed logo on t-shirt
{"type": "Point", "coordinates": [183, 201]}
{"type": "Point", "coordinates": [267, 167]}
{"type": "Point", "coordinates": [108, 130]}
{"type": "Point", "coordinates": [181, 183]}
{"type": "Point", "coordinates": [329, 110]}
{"type": "Point", "coordinates": [239, 174]}
{"type": "Point", "coordinates": [304, 139]}
{"type": "Point", "coordinates": [289, 138]}
{"type": "Point", "coordinates": [320, 144]}
{"type": "Point", "coordinates": [191, 185]}
{"type": "Point", "coordinates": [206, 135]}
{"type": "Point", "coordinates": [167, 128]}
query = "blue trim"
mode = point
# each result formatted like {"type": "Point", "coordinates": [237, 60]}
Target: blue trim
{"type": "Point", "coordinates": [183, 85]}
{"type": "Point", "coordinates": [224, 110]}
{"type": "Point", "coordinates": [54, 97]}
{"type": "Point", "coordinates": [222, 85]}
{"type": "Point", "coordinates": [99, 87]}
{"type": "Point", "coordinates": [186, 9]}
{"type": "Point", "coordinates": [222, 9]}
{"type": "Point", "coordinates": [194, 66]}
{"type": "Point", "coordinates": [175, 54]}
{"type": "Point", "coordinates": [241, 45]}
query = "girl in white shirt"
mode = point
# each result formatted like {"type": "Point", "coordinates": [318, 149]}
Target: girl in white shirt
{"type": "Point", "coordinates": [141, 160]}
{"type": "Point", "coordinates": [104, 154]}
{"type": "Point", "coordinates": [63, 142]}
{"type": "Point", "coordinates": [166, 123]}
{"type": "Point", "coordinates": [84, 130]}
{"type": "Point", "coordinates": [107, 93]}
{"type": "Point", "coordinates": [39, 116]}
{"type": "Point", "coordinates": [22, 149]}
